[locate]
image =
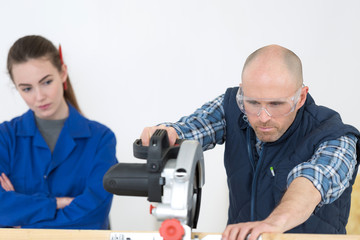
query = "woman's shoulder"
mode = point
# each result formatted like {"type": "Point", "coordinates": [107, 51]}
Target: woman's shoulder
{"type": "Point", "coordinates": [99, 131]}
{"type": "Point", "coordinates": [16, 121]}
{"type": "Point", "coordinates": [84, 124]}
{"type": "Point", "coordinates": [20, 125]}
{"type": "Point", "coordinates": [93, 124]}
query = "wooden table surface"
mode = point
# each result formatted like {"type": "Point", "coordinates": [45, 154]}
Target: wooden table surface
{"type": "Point", "coordinates": [52, 234]}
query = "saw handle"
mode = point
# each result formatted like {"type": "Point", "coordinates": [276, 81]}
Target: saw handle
{"type": "Point", "coordinates": [141, 151]}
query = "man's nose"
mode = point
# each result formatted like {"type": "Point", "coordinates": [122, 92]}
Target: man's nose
{"type": "Point", "coordinates": [264, 115]}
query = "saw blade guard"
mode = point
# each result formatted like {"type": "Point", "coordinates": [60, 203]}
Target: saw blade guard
{"type": "Point", "coordinates": [172, 176]}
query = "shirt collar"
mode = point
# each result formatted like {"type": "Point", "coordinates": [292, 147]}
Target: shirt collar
{"type": "Point", "coordinates": [76, 124]}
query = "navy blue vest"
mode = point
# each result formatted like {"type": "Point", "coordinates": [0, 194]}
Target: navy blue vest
{"type": "Point", "coordinates": [253, 190]}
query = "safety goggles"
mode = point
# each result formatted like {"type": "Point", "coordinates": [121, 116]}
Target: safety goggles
{"type": "Point", "coordinates": [274, 107]}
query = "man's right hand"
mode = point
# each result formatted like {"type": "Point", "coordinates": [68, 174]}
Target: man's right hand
{"type": "Point", "coordinates": [149, 131]}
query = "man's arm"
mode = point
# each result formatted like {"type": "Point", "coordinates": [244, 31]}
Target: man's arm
{"type": "Point", "coordinates": [330, 169]}
{"type": "Point", "coordinates": [319, 181]}
{"type": "Point", "coordinates": [206, 124]}
{"type": "Point", "coordinates": [296, 206]}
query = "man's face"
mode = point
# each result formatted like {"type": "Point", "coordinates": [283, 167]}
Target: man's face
{"type": "Point", "coordinates": [273, 83]}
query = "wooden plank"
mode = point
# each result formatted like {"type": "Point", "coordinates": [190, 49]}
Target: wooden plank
{"type": "Point", "coordinates": [288, 236]}
{"type": "Point", "coordinates": [53, 234]}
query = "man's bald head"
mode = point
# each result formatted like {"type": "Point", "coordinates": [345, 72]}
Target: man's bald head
{"type": "Point", "coordinates": [273, 75]}
{"type": "Point", "coordinates": [272, 56]}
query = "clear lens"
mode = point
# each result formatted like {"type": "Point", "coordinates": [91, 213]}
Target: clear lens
{"type": "Point", "coordinates": [275, 107]}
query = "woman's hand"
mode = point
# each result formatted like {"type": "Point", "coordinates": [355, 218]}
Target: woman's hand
{"type": "Point", "coordinates": [62, 202]}
{"type": "Point", "coordinates": [7, 186]}
{"type": "Point", "coordinates": [6, 183]}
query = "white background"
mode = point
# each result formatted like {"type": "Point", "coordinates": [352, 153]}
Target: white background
{"type": "Point", "coordinates": [137, 63]}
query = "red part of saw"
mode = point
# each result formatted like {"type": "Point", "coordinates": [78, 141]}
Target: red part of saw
{"type": "Point", "coordinates": [171, 229]}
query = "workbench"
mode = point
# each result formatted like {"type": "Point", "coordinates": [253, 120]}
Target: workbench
{"type": "Point", "coordinates": [51, 234]}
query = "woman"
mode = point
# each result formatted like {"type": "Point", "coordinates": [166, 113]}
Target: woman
{"type": "Point", "coordinates": [52, 159]}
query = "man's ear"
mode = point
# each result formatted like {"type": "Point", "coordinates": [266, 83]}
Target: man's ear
{"type": "Point", "coordinates": [303, 95]}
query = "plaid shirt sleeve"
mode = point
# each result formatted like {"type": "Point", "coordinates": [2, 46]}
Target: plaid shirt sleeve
{"type": "Point", "coordinates": [330, 169]}
{"type": "Point", "coordinates": [206, 124]}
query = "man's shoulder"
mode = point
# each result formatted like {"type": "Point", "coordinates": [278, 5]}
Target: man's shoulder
{"type": "Point", "coordinates": [230, 95]}
{"type": "Point", "coordinates": [320, 113]}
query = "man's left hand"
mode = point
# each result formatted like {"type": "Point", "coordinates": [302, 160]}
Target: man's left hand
{"type": "Point", "coordinates": [241, 230]}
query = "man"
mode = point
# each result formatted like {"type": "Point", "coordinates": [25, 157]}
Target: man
{"type": "Point", "coordinates": [290, 163]}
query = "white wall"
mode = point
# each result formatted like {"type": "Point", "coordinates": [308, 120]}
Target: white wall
{"type": "Point", "coordinates": [136, 63]}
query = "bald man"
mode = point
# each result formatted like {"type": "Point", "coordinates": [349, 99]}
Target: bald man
{"type": "Point", "coordinates": [290, 163]}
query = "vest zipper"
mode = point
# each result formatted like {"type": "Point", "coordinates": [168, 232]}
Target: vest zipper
{"type": "Point", "coordinates": [255, 177]}
{"type": "Point", "coordinates": [250, 153]}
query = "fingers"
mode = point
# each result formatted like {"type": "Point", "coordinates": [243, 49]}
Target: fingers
{"type": "Point", "coordinates": [235, 232]}
{"type": "Point", "coordinates": [2, 183]}
{"type": "Point", "coordinates": [146, 135]}
{"type": "Point", "coordinates": [172, 134]}
{"type": "Point", "coordinates": [242, 231]}
{"type": "Point", "coordinates": [6, 183]}
{"type": "Point", "coordinates": [149, 131]}
{"type": "Point", "coordinates": [254, 235]}
{"type": "Point", "coordinates": [62, 202]}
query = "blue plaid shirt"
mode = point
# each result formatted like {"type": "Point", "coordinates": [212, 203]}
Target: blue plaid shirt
{"type": "Point", "coordinates": [330, 168]}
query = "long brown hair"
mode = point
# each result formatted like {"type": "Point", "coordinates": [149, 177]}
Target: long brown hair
{"type": "Point", "coordinates": [34, 47]}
